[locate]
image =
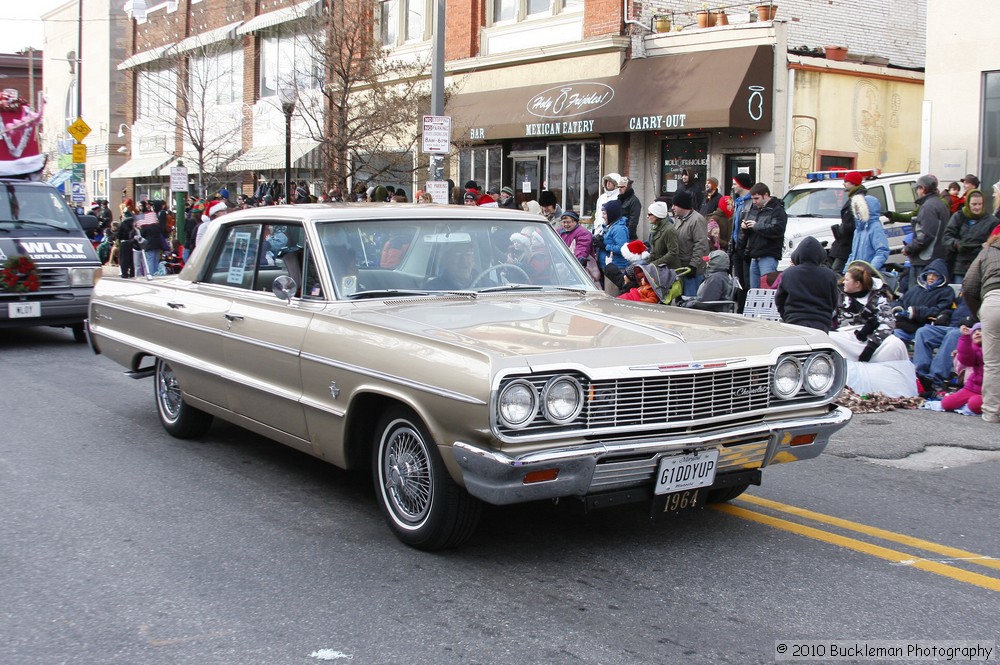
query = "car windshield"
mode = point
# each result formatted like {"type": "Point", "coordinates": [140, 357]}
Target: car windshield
{"type": "Point", "coordinates": [815, 202]}
{"type": "Point", "coordinates": [432, 255]}
{"type": "Point", "coordinates": [31, 205]}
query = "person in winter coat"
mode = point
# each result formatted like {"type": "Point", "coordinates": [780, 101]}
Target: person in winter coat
{"type": "Point", "coordinates": [723, 216]}
{"type": "Point", "coordinates": [930, 298]}
{"type": "Point", "coordinates": [615, 238]}
{"type": "Point", "coordinates": [966, 232]}
{"type": "Point", "coordinates": [692, 241]}
{"type": "Point", "coordinates": [808, 293]}
{"type": "Point", "coordinates": [718, 284]}
{"type": "Point", "coordinates": [762, 233]}
{"type": "Point", "coordinates": [982, 292]}
{"type": "Point", "coordinates": [843, 233]}
{"type": "Point", "coordinates": [689, 184]}
{"type": "Point", "coordinates": [870, 243]}
{"type": "Point", "coordinates": [970, 354]}
{"type": "Point", "coordinates": [576, 237]}
{"type": "Point", "coordinates": [507, 199]}
{"type": "Point", "coordinates": [864, 318]}
{"type": "Point", "coordinates": [610, 191]}
{"type": "Point", "coordinates": [126, 231]}
{"type": "Point", "coordinates": [631, 205]}
{"type": "Point", "coordinates": [551, 209]}
{"type": "Point", "coordinates": [663, 238]}
{"type": "Point", "coordinates": [928, 228]}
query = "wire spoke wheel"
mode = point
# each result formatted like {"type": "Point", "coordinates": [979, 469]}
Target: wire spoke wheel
{"type": "Point", "coordinates": [407, 475]}
{"type": "Point", "coordinates": [168, 392]}
{"type": "Point", "coordinates": [179, 418]}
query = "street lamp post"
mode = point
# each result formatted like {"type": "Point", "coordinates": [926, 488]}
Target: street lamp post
{"type": "Point", "coordinates": [287, 107]}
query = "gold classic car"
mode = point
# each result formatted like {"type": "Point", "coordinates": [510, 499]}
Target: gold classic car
{"type": "Point", "coordinates": [464, 355]}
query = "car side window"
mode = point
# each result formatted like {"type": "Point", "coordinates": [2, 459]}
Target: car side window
{"type": "Point", "coordinates": [236, 259]}
{"type": "Point", "coordinates": [879, 194]}
{"type": "Point", "coordinates": [902, 197]}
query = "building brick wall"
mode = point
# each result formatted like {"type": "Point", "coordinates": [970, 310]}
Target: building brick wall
{"type": "Point", "coordinates": [604, 17]}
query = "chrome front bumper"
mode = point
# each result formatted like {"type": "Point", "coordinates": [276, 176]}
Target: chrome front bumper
{"type": "Point", "coordinates": [498, 478]}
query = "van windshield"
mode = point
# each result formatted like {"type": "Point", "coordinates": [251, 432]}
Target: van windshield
{"type": "Point", "coordinates": [23, 205]}
{"type": "Point", "coordinates": [815, 202]}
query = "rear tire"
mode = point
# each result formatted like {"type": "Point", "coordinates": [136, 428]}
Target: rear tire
{"type": "Point", "coordinates": [180, 419]}
{"type": "Point", "coordinates": [726, 493]}
{"type": "Point", "coordinates": [421, 503]}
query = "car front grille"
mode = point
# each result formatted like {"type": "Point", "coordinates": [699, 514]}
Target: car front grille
{"type": "Point", "coordinates": [52, 278]}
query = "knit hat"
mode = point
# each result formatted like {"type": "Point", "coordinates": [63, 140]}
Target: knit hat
{"type": "Point", "coordinates": [726, 206]}
{"type": "Point", "coordinates": [507, 190]}
{"type": "Point", "coordinates": [624, 180]}
{"type": "Point", "coordinates": [223, 193]}
{"type": "Point", "coordinates": [487, 201]}
{"type": "Point", "coordinates": [613, 208]}
{"type": "Point", "coordinates": [976, 327]}
{"type": "Point", "coordinates": [928, 182]}
{"type": "Point", "coordinates": [712, 179]}
{"type": "Point", "coordinates": [712, 224]}
{"type": "Point", "coordinates": [682, 199]}
{"type": "Point", "coordinates": [470, 196]}
{"type": "Point", "coordinates": [547, 198]}
{"type": "Point", "coordinates": [572, 214]}
{"type": "Point", "coordinates": [743, 180]}
{"type": "Point", "coordinates": [635, 251]}
{"type": "Point", "coordinates": [472, 184]}
{"type": "Point", "coordinates": [971, 179]}
{"type": "Point", "coordinates": [658, 209]}
{"type": "Point", "coordinates": [853, 177]}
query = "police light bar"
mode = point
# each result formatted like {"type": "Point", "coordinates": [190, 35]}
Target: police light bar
{"type": "Point", "coordinates": [839, 174]}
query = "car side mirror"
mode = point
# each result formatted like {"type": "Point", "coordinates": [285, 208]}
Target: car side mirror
{"type": "Point", "coordinates": [284, 287]}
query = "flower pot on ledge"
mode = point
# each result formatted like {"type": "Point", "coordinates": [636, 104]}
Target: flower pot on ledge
{"type": "Point", "coordinates": [721, 18]}
{"type": "Point", "coordinates": [705, 19]}
{"type": "Point", "coordinates": [661, 23]}
{"type": "Point", "coordinates": [766, 12]}
{"type": "Point", "coordinates": [835, 53]}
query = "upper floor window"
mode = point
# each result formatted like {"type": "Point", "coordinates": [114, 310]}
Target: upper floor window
{"type": "Point", "coordinates": [216, 78]}
{"type": "Point", "coordinates": [156, 93]}
{"type": "Point", "coordinates": [519, 10]}
{"type": "Point", "coordinates": [404, 21]}
{"type": "Point", "coordinates": [287, 60]}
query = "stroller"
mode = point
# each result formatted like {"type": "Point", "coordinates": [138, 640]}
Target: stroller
{"type": "Point", "coordinates": [666, 282]}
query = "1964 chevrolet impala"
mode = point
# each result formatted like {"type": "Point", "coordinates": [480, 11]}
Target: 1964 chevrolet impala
{"type": "Point", "coordinates": [464, 365]}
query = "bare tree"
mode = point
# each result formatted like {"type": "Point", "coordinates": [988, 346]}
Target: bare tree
{"type": "Point", "coordinates": [369, 101]}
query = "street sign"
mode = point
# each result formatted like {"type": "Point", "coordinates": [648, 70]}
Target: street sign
{"type": "Point", "coordinates": [78, 129]}
{"type": "Point", "coordinates": [438, 189]}
{"type": "Point", "coordinates": [79, 153]}
{"type": "Point", "coordinates": [436, 137]}
{"type": "Point", "coordinates": [79, 194]}
{"type": "Point", "coordinates": [79, 172]}
{"type": "Point", "coordinates": [178, 179]}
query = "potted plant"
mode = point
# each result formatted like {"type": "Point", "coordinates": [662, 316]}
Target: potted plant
{"type": "Point", "coordinates": [662, 22]}
{"type": "Point", "coordinates": [766, 11]}
{"type": "Point", "coordinates": [721, 18]}
{"type": "Point", "coordinates": [704, 18]}
{"type": "Point", "coordinates": [837, 53]}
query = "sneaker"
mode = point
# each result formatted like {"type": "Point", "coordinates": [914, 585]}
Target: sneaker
{"type": "Point", "coordinates": [991, 418]}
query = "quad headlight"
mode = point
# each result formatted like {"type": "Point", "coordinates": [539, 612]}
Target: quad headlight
{"type": "Point", "coordinates": [562, 399]}
{"type": "Point", "coordinates": [787, 378]}
{"type": "Point", "coordinates": [819, 374]}
{"type": "Point", "coordinates": [517, 404]}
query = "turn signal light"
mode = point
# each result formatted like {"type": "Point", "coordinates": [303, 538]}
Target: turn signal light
{"type": "Point", "coordinates": [802, 440]}
{"type": "Point", "coordinates": [541, 476]}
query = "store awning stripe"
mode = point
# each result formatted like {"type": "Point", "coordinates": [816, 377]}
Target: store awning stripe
{"type": "Point", "coordinates": [268, 157]}
{"type": "Point", "coordinates": [143, 57]}
{"type": "Point", "coordinates": [142, 167]}
{"type": "Point", "coordinates": [207, 38]}
{"type": "Point", "coordinates": [277, 17]}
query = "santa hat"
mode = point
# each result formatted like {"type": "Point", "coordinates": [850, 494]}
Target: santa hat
{"type": "Point", "coordinates": [520, 241]}
{"type": "Point", "coordinates": [18, 127]}
{"type": "Point", "coordinates": [635, 251]}
{"type": "Point", "coordinates": [216, 208]}
{"type": "Point", "coordinates": [487, 201]}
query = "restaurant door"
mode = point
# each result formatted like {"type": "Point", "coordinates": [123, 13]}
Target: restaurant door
{"type": "Point", "coordinates": [529, 170]}
{"type": "Point", "coordinates": [738, 164]}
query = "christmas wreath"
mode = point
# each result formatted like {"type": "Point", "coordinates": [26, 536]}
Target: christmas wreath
{"type": "Point", "coordinates": [19, 275]}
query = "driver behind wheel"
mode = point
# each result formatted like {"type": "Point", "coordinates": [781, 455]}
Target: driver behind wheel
{"type": "Point", "coordinates": [457, 268]}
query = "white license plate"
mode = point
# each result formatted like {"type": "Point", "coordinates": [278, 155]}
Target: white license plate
{"type": "Point", "coordinates": [685, 472]}
{"type": "Point", "coordinates": [24, 310]}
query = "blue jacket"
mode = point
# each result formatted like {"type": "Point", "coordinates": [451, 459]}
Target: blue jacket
{"type": "Point", "coordinates": [870, 243]}
{"type": "Point", "coordinates": [616, 236]}
{"type": "Point", "coordinates": [923, 301]}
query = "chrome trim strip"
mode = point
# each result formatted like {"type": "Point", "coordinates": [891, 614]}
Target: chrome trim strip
{"type": "Point", "coordinates": [391, 378]}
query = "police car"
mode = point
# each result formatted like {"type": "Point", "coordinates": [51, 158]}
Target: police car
{"type": "Point", "coordinates": [813, 207]}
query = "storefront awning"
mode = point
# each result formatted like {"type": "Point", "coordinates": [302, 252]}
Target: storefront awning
{"type": "Point", "coordinates": [674, 93]}
{"type": "Point", "coordinates": [208, 37]}
{"type": "Point", "coordinates": [143, 57]}
{"type": "Point", "coordinates": [213, 163]}
{"type": "Point", "coordinates": [142, 167]}
{"type": "Point", "coordinates": [277, 17]}
{"type": "Point", "coordinates": [60, 178]}
{"type": "Point", "coordinates": [264, 157]}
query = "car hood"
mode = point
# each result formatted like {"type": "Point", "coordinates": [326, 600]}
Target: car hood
{"type": "Point", "coordinates": [587, 329]}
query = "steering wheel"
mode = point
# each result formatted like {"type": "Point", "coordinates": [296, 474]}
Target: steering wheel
{"type": "Point", "coordinates": [500, 266]}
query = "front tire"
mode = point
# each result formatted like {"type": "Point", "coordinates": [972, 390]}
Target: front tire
{"type": "Point", "coordinates": [423, 506]}
{"type": "Point", "coordinates": [180, 419]}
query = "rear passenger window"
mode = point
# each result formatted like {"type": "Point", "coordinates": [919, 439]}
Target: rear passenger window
{"type": "Point", "coordinates": [252, 256]}
{"type": "Point", "coordinates": [879, 194]}
{"type": "Point", "coordinates": [902, 197]}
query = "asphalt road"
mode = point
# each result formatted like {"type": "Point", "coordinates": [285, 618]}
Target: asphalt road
{"type": "Point", "coordinates": [121, 545]}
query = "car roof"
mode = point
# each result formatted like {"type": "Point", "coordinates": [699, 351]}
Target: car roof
{"type": "Point", "coordinates": [373, 211]}
{"type": "Point", "coordinates": [839, 184]}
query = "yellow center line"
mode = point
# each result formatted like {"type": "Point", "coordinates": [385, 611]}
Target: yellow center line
{"type": "Point", "coordinates": [909, 541]}
{"type": "Point", "coordinates": [976, 579]}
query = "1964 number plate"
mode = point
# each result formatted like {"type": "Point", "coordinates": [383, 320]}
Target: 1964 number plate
{"type": "Point", "coordinates": [686, 472]}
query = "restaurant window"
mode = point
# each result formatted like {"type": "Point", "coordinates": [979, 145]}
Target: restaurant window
{"type": "Point", "coordinates": [574, 175]}
{"type": "Point", "coordinates": [519, 10]}
{"type": "Point", "coordinates": [403, 21]}
{"type": "Point", "coordinates": [990, 148]}
{"type": "Point", "coordinates": [484, 164]}
{"type": "Point", "coordinates": [679, 154]}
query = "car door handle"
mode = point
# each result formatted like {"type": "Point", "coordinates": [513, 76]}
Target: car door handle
{"type": "Point", "coordinates": [175, 305]}
{"type": "Point", "coordinates": [233, 317]}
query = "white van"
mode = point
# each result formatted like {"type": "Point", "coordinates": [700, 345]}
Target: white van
{"type": "Point", "coordinates": [814, 208]}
